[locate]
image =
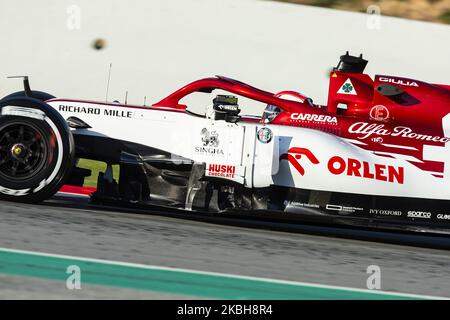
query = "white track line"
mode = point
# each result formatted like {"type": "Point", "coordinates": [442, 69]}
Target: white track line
{"type": "Point", "coordinates": [287, 282]}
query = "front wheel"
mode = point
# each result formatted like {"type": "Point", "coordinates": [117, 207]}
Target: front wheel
{"type": "Point", "coordinates": [36, 150]}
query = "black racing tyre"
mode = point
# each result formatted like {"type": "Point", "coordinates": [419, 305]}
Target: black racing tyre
{"type": "Point", "coordinates": [40, 95]}
{"type": "Point", "coordinates": [37, 150]}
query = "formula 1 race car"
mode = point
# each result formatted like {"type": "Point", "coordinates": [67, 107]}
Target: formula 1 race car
{"type": "Point", "coordinates": [375, 156]}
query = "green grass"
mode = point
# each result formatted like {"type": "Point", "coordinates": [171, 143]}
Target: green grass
{"type": "Point", "coordinates": [95, 167]}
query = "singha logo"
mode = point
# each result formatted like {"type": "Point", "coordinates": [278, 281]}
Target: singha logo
{"type": "Point", "coordinates": [209, 139]}
{"type": "Point", "coordinates": [295, 154]}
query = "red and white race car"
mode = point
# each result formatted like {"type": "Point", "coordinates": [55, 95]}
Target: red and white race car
{"type": "Point", "coordinates": [377, 155]}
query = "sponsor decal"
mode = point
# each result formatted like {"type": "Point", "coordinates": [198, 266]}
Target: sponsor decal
{"type": "Point", "coordinates": [23, 112]}
{"type": "Point", "coordinates": [264, 135]}
{"type": "Point", "coordinates": [385, 212]}
{"type": "Point", "coordinates": [295, 154]}
{"type": "Point", "coordinates": [227, 107]}
{"type": "Point", "coordinates": [96, 111]}
{"type": "Point", "coordinates": [399, 82]}
{"type": "Point", "coordinates": [210, 143]}
{"type": "Point", "coordinates": [78, 109]}
{"type": "Point", "coordinates": [379, 113]}
{"type": "Point", "coordinates": [342, 209]}
{"type": "Point", "coordinates": [366, 130]}
{"type": "Point", "coordinates": [347, 88]}
{"type": "Point", "coordinates": [221, 170]}
{"type": "Point", "coordinates": [209, 151]}
{"type": "Point", "coordinates": [301, 204]}
{"type": "Point", "coordinates": [443, 216]}
{"type": "Point", "coordinates": [353, 167]}
{"type": "Point", "coordinates": [209, 139]}
{"type": "Point", "coordinates": [13, 192]}
{"type": "Point", "coordinates": [349, 166]}
{"type": "Point", "coordinates": [118, 113]}
{"type": "Point", "coordinates": [419, 214]}
{"type": "Point", "coordinates": [318, 118]}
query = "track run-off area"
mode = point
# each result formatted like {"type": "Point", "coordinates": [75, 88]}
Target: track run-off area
{"type": "Point", "coordinates": [126, 254]}
{"type": "Point", "coordinates": [177, 281]}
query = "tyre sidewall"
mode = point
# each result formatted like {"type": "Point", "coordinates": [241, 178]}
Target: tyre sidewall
{"type": "Point", "coordinates": [51, 177]}
{"type": "Point", "coordinates": [39, 95]}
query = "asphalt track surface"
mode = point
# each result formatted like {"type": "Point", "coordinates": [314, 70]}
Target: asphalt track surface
{"type": "Point", "coordinates": [69, 226]}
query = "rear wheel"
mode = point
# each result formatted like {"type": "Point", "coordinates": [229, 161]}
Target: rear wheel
{"type": "Point", "coordinates": [36, 150]}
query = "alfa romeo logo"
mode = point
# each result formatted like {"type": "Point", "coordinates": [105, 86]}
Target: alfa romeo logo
{"type": "Point", "coordinates": [264, 135]}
